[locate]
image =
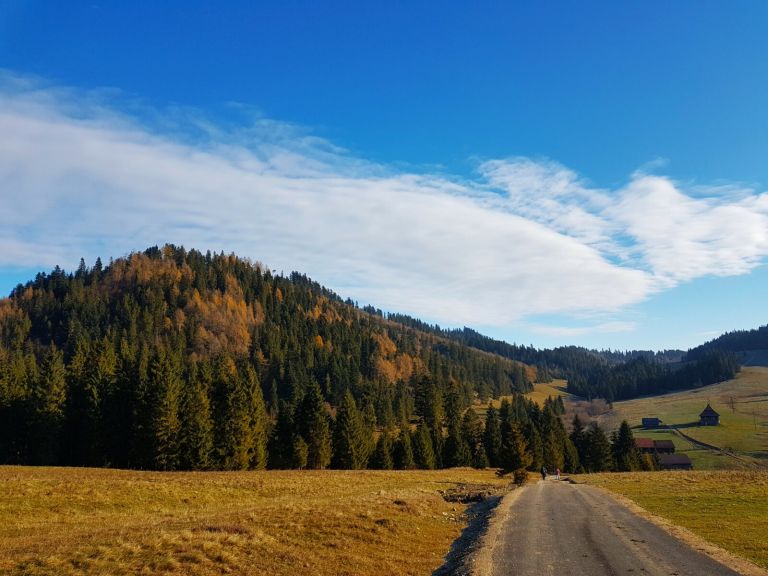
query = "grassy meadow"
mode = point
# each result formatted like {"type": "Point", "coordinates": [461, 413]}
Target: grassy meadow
{"type": "Point", "coordinates": [741, 402]}
{"type": "Point", "coordinates": [97, 521]}
{"type": "Point", "coordinates": [726, 508]}
{"type": "Point", "coordinates": [543, 390]}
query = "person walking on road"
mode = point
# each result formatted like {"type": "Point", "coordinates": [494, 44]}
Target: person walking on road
{"type": "Point", "coordinates": [543, 472]}
{"type": "Point", "coordinates": [557, 473]}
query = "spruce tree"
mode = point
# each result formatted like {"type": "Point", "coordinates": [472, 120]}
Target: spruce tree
{"type": "Point", "coordinates": [257, 414]}
{"type": "Point", "coordinates": [492, 437]}
{"type": "Point", "coordinates": [351, 441]}
{"type": "Point", "coordinates": [625, 454]}
{"type": "Point", "coordinates": [515, 455]}
{"type": "Point", "coordinates": [552, 438]}
{"type": "Point", "coordinates": [166, 424]}
{"type": "Point", "coordinates": [423, 448]}
{"type": "Point", "coordinates": [570, 456]}
{"type": "Point", "coordinates": [196, 436]}
{"type": "Point", "coordinates": [578, 438]}
{"type": "Point", "coordinates": [49, 400]}
{"type": "Point", "coordinates": [382, 457]}
{"type": "Point", "coordinates": [599, 456]}
{"type": "Point", "coordinates": [402, 452]}
{"type": "Point", "coordinates": [472, 433]}
{"type": "Point", "coordinates": [313, 424]}
{"type": "Point", "coordinates": [281, 442]}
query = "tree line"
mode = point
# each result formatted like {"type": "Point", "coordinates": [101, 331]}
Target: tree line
{"type": "Point", "coordinates": [616, 375]}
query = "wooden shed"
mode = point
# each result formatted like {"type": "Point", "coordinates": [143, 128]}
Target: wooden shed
{"type": "Point", "coordinates": [650, 423]}
{"type": "Point", "coordinates": [644, 445]}
{"type": "Point", "coordinates": [664, 446]}
{"type": "Point", "coordinates": [709, 417]}
{"type": "Point", "coordinates": [675, 462]}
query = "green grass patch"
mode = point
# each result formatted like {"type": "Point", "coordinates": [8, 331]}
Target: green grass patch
{"type": "Point", "coordinates": [741, 402]}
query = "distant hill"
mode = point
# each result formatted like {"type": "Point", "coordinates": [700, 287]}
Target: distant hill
{"type": "Point", "coordinates": [751, 345]}
{"type": "Point", "coordinates": [613, 375]}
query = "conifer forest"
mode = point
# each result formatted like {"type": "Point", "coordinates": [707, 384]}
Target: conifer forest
{"type": "Point", "coordinates": [171, 359]}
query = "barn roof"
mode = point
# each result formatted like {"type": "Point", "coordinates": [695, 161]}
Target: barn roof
{"type": "Point", "coordinates": [708, 411]}
{"type": "Point", "coordinates": [664, 445]}
{"type": "Point", "coordinates": [674, 459]}
{"type": "Point", "coordinates": [644, 443]}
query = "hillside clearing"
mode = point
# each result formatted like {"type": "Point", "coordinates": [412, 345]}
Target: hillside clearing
{"type": "Point", "coordinates": [85, 521]}
{"type": "Point", "coordinates": [741, 402]}
{"type": "Point", "coordinates": [544, 390]}
{"type": "Point", "coordinates": [727, 508]}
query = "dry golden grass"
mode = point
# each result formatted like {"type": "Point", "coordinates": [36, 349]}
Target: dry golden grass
{"type": "Point", "coordinates": [727, 508]}
{"type": "Point", "coordinates": [542, 391]}
{"type": "Point", "coordinates": [94, 521]}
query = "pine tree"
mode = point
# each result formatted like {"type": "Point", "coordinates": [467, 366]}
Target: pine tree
{"type": "Point", "coordinates": [571, 456]}
{"type": "Point", "coordinates": [196, 437]}
{"type": "Point", "coordinates": [455, 450]}
{"type": "Point", "coordinates": [472, 433]}
{"type": "Point", "coordinates": [281, 442]}
{"type": "Point", "coordinates": [382, 458]}
{"type": "Point", "coordinates": [579, 440]}
{"type": "Point", "coordinates": [402, 452]}
{"type": "Point", "coordinates": [599, 456]}
{"type": "Point", "coordinates": [257, 413]}
{"type": "Point", "coordinates": [49, 400]}
{"type": "Point", "coordinates": [83, 408]}
{"type": "Point", "coordinates": [532, 437]}
{"type": "Point", "coordinates": [166, 425]}
{"type": "Point", "coordinates": [625, 454]}
{"type": "Point", "coordinates": [423, 448]}
{"type": "Point", "coordinates": [313, 425]}
{"type": "Point", "coordinates": [515, 455]}
{"type": "Point", "coordinates": [553, 438]}
{"type": "Point", "coordinates": [351, 441]}
{"type": "Point", "coordinates": [492, 437]}
{"type": "Point", "coordinates": [233, 439]}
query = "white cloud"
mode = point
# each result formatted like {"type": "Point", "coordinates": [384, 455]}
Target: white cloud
{"type": "Point", "coordinates": [680, 238]}
{"type": "Point", "coordinates": [77, 178]}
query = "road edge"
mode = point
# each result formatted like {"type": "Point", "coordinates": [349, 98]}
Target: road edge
{"type": "Point", "coordinates": [480, 562]}
{"type": "Point", "coordinates": [738, 563]}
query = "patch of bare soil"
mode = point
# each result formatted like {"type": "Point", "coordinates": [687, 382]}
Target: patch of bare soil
{"type": "Point", "coordinates": [484, 499]}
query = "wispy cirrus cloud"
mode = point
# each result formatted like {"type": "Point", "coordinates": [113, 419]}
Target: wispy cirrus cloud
{"type": "Point", "coordinates": [81, 176]}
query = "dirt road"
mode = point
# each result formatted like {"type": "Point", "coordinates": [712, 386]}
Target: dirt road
{"type": "Point", "coordinates": [560, 528]}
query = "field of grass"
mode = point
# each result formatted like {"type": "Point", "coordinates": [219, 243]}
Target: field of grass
{"type": "Point", "coordinates": [727, 508]}
{"type": "Point", "coordinates": [742, 404]}
{"type": "Point", "coordinates": [94, 521]}
{"type": "Point", "coordinates": [542, 391]}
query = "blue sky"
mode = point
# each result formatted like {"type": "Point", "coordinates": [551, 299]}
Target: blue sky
{"type": "Point", "coordinates": [549, 173]}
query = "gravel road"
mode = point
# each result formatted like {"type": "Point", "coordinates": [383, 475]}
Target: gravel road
{"type": "Point", "coordinates": [554, 527]}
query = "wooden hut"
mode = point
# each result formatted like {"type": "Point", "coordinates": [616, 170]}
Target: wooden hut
{"type": "Point", "coordinates": [674, 462]}
{"type": "Point", "coordinates": [709, 417]}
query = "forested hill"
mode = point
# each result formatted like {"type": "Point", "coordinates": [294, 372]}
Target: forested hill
{"type": "Point", "coordinates": [173, 358]}
{"type": "Point", "coordinates": [613, 375]}
{"type": "Point", "coordinates": [736, 341]}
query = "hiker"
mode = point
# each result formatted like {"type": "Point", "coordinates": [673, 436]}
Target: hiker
{"type": "Point", "coordinates": [557, 473]}
{"type": "Point", "coordinates": [543, 472]}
